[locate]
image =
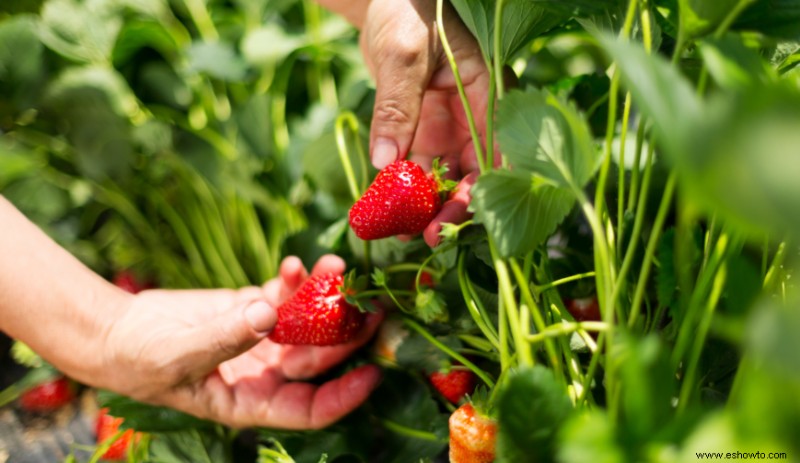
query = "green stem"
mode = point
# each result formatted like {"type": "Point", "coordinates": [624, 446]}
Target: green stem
{"type": "Point", "coordinates": [626, 113]}
{"type": "Point", "coordinates": [459, 83]}
{"type": "Point", "coordinates": [344, 153]}
{"type": "Point", "coordinates": [487, 163]}
{"type": "Point", "coordinates": [403, 430]}
{"type": "Point", "coordinates": [447, 350]}
{"type": "Point", "coordinates": [506, 292]}
{"type": "Point", "coordinates": [774, 268]}
{"type": "Point", "coordinates": [650, 250]}
{"type": "Point", "coordinates": [688, 330]}
{"type": "Point", "coordinates": [202, 20]}
{"type": "Point", "coordinates": [538, 321]}
{"type": "Point", "coordinates": [497, 59]}
{"type": "Point", "coordinates": [564, 328]}
{"type": "Point", "coordinates": [700, 335]}
{"type": "Point", "coordinates": [474, 306]}
{"type": "Point", "coordinates": [539, 289]}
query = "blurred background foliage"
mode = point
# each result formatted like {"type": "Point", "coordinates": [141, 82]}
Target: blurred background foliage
{"type": "Point", "coordinates": [170, 137]}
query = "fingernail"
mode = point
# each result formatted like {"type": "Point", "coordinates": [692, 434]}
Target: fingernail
{"type": "Point", "coordinates": [260, 316]}
{"type": "Point", "coordinates": [383, 153]}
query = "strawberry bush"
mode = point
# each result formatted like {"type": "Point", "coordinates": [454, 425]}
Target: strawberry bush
{"type": "Point", "coordinates": [623, 289]}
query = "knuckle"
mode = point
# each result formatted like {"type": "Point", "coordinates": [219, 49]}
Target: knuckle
{"type": "Point", "coordinates": [391, 111]}
{"type": "Point", "coordinates": [226, 339]}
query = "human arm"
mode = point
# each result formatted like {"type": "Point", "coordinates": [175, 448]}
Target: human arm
{"type": "Point", "coordinates": [199, 351]}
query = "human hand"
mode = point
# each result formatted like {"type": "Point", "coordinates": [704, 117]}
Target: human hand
{"type": "Point", "coordinates": [204, 352]}
{"type": "Point", "coordinates": [417, 105]}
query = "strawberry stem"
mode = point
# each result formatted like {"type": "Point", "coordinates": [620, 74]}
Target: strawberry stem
{"type": "Point", "coordinates": [344, 152]}
{"type": "Point", "coordinates": [459, 83]}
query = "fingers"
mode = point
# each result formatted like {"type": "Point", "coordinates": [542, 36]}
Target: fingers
{"type": "Point", "coordinates": [224, 336]}
{"type": "Point", "coordinates": [304, 406]}
{"type": "Point", "coordinates": [303, 362]}
{"type": "Point", "coordinates": [400, 50]}
{"type": "Point", "coordinates": [292, 274]}
{"type": "Point", "coordinates": [329, 263]}
{"type": "Point", "coordinates": [454, 210]}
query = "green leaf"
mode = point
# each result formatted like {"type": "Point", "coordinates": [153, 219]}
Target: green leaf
{"type": "Point", "coordinates": [217, 60]}
{"type": "Point", "coordinates": [579, 7]}
{"type": "Point", "coordinates": [190, 445]}
{"type": "Point", "coordinates": [775, 18]}
{"type": "Point", "coordinates": [414, 427]}
{"type": "Point", "coordinates": [81, 31]}
{"type": "Point", "coordinates": [540, 134]}
{"type": "Point", "coordinates": [531, 406]}
{"type": "Point", "coordinates": [648, 387]}
{"type": "Point", "coordinates": [732, 64]}
{"type": "Point", "coordinates": [149, 418]}
{"type": "Point", "coordinates": [429, 306]}
{"type": "Point", "coordinates": [86, 98]}
{"type": "Point", "coordinates": [269, 45]}
{"type": "Point", "coordinates": [741, 162]}
{"type": "Point", "coordinates": [417, 353]}
{"type": "Point", "coordinates": [659, 91]}
{"type": "Point", "coordinates": [518, 210]}
{"type": "Point", "coordinates": [589, 436]}
{"type": "Point", "coordinates": [666, 278]}
{"type": "Point", "coordinates": [523, 20]}
{"type": "Point", "coordinates": [138, 34]}
{"type": "Point", "coordinates": [549, 146]}
{"type": "Point", "coordinates": [700, 17]}
{"type": "Point", "coordinates": [347, 438]}
{"type": "Point", "coordinates": [16, 162]}
{"type": "Point", "coordinates": [20, 73]}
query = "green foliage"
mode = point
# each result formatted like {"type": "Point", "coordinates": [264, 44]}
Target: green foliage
{"type": "Point", "coordinates": [149, 418]}
{"type": "Point", "coordinates": [550, 148]}
{"type": "Point", "coordinates": [531, 407]}
{"type": "Point", "coordinates": [522, 21]}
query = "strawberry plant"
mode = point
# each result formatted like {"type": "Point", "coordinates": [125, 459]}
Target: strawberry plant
{"type": "Point", "coordinates": [621, 292]}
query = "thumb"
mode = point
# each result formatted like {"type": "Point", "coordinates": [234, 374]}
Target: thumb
{"type": "Point", "coordinates": [229, 334]}
{"type": "Point", "coordinates": [401, 81]}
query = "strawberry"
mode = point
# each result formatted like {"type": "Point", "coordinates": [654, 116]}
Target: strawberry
{"type": "Point", "coordinates": [390, 335]}
{"type": "Point", "coordinates": [472, 436]}
{"type": "Point", "coordinates": [106, 427]}
{"type": "Point", "coordinates": [454, 384]}
{"type": "Point", "coordinates": [48, 396]}
{"type": "Point", "coordinates": [583, 309]}
{"type": "Point", "coordinates": [317, 314]}
{"type": "Point", "coordinates": [127, 281]}
{"type": "Point", "coordinates": [402, 200]}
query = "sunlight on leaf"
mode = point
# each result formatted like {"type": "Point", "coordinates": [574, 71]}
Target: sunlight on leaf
{"type": "Point", "coordinates": [518, 212]}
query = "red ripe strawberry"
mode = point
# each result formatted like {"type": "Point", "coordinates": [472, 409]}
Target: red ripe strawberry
{"type": "Point", "coordinates": [106, 427]}
{"type": "Point", "coordinates": [583, 309]}
{"type": "Point", "coordinates": [127, 280]}
{"type": "Point", "coordinates": [48, 396]}
{"type": "Point", "coordinates": [317, 314]}
{"type": "Point", "coordinates": [454, 384]}
{"type": "Point", "coordinates": [402, 200]}
{"type": "Point", "coordinates": [472, 436]}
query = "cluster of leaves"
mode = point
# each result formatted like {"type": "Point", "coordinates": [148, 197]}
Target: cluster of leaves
{"type": "Point", "coordinates": [648, 160]}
